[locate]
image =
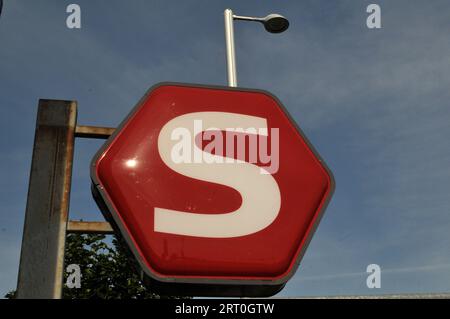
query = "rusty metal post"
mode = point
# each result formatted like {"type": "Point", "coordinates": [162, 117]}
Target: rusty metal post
{"type": "Point", "coordinates": [42, 257]}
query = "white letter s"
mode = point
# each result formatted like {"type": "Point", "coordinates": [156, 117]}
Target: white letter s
{"type": "Point", "coordinates": [260, 193]}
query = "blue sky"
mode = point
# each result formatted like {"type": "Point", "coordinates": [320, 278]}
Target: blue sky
{"type": "Point", "coordinates": [375, 103]}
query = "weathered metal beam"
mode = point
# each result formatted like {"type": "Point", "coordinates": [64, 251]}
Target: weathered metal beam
{"type": "Point", "coordinates": [42, 256]}
{"type": "Point", "coordinates": [78, 227]}
{"type": "Point", "coordinates": [93, 132]}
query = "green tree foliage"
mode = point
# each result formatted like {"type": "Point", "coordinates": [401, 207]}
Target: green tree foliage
{"type": "Point", "coordinates": [10, 295]}
{"type": "Point", "coordinates": [107, 269]}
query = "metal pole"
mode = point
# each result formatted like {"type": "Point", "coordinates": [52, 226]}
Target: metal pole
{"type": "Point", "coordinates": [42, 257]}
{"type": "Point", "coordinates": [245, 18]}
{"type": "Point", "coordinates": [231, 57]}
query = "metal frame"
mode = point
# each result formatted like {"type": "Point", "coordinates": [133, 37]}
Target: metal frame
{"type": "Point", "coordinates": [47, 221]}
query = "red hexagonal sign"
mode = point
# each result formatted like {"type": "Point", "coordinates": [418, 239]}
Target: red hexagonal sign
{"type": "Point", "coordinates": [215, 189]}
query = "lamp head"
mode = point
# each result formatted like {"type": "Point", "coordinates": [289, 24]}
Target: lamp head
{"type": "Point", "coordinates": [275, 23]}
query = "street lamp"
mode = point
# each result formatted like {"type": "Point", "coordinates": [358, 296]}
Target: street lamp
{"type": "Point", "coordinates": [273, 23]}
